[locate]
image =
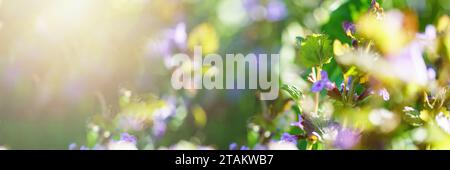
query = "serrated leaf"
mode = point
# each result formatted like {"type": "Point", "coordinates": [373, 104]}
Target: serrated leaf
{"type": "Point", "coordinates": [412, 116]}
{"type": "Point", "coordinates": [314, 50]}
{"type": "Point", "coordinates": [293, 91]}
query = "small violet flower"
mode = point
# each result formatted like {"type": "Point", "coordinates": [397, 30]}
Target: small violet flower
{"type": "Point", "coordinates": [128, 138]}
{"type": "Point", "coordinates": [345, 86]}
{"type": "Point", "coordinates": [172, 39]}
{"type": "Point", "coordinates": [346, 138]}
{"type": "Point", "coordinates": [373, 3]}
{"type": "Point", "coordinates": [233, 146]}
{"type": "Point", "coordinates": [245, 148]}
{"type": "Point", "coordinates": [276, 10]}
{"type": "Point", "coordinates": [260, 147]}
{"type": "Point", "coordinates": [298, 123]}
{"type": "Point", "coordinates": [84, 148]}
{"type": "Point", "coordinates": [322, 83]}
{"type": "Point", "coordinates": [159, 128]}
{"type": "Point", "coordinates": [349, 28]}
{"type": "Point", "coordinates": [72, 146]}
{"type": "Point", "coordinates": [286, 137]}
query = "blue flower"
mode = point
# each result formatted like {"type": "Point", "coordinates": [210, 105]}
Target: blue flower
{"type": "Point", "coordinates": [72, 146]}
{"type": "Point", "coordinates": [233, 146]}
{"type": "Point", "coordinates": [260, 147]}
{"type": "Point", "coordinates": [276, 10]}
{"type": "Point", "coordinates": [286, 137]}
{"type": "Point", "coordinates": [322, 83]}
{"type": "Point", "coordinates": [245, 148]}
{"type": "Point", "coordinates": [128, 138]}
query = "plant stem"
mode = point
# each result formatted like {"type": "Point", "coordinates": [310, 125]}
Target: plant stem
{"type": "Point", "coordinates": [317, 95]}
{"type": "Point", "coordinates": [316, 103]}
{"type": "Point", "coordinates": [351, 91]}
{"type": "Point", "coordinates": [309, 145]}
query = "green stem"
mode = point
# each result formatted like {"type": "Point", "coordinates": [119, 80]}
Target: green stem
{"type": "Point", "coordinates": [309, 145]}
{"type": "Point", "coordinates": [351, 91]}
{"type": "Point", "coordinates": [317, 95]}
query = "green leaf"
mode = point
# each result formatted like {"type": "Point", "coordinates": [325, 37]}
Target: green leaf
{"type": "Point", "coordinates": [314, 50]}
{"type": "Point", "coordinates": [91, 138]}
{"type": "Point", "coordinates": [292, 90]}
{"type": "Point", "coordinates": [302, 144]}
{"type": "Point", "coordinates": [252, 138]}
{"type": "Point", "coordinates": [412, 116]}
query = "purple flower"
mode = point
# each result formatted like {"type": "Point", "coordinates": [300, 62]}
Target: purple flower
{"type": "Point", "coordinates": [171, 40]}
{"type": "Point", "coordinates": [286, 137]}
{"type": "Point", "coordinates": [322, 83]}
{"type": "Point", "coordinates": [349, 81]}
{"type": "Point", "coordinates": [348, 27]}
{"type": "Point", "coordinates": [260, 147]}
{"type": "Point", "coordinates": [128, 138]}
{"type": "Point", "coordinates": [250, 4]}
{"type": "Point", "coordinates": [410, 58]}
{"type": "Point", "coordinates": [355, 43]}
{"type": "Point", "coordinates": [166, 111]}
{"type": "Point", "coordinates": [298, 123]}
{"type": "Point", "coordinates": [162, 115]}
{"type": "Point", "coordinates": [233, 146]}
{"type": "Point", "coordinates": [276, 10]}
{"type": "Point", "coordinates": [317, 86]}
{"type": "Point", "coordinates": [384, 93]}
{"type": "Point", "coordinates": [72, 146]}
{"type": "Point", "coordinates": [159, 128]}
{"type": "Point", "coordinates": [372, 4]}
{"type": "Point", "coordinates": [245, 148]}
{"type": "Point", "coordinates": [84, 148]}
{"type": "Point", "coordinates": [179, 35]}
{"type": "Point", "coordinates": [346, 138]}
{"type": "Point", "coordinates": [343, 86]}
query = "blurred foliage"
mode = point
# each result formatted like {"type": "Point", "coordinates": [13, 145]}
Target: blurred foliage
{"type": "Point", "coordinates": [95, 73]}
